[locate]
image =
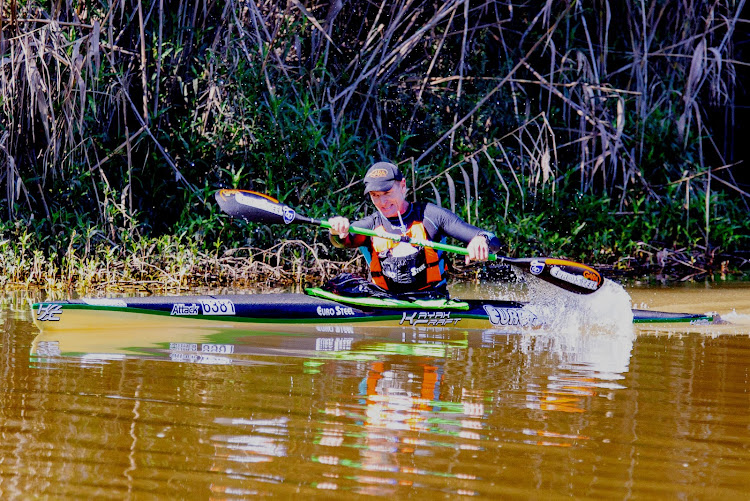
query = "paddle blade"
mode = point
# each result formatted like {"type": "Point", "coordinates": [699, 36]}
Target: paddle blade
{"type": "Point", "coordinates": [569, 275]}
{"type": "Point", "coordinates": [257, 208]}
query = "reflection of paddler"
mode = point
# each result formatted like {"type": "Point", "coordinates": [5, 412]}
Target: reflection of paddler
{"type": "Point", "coordinates": [390, 405]}
{"type": "Point", "coordinates": [430, 380]}
{"type": "Point", "coordinates": [429, 388]}
{"type": "Point", "coordinates": [374, 375]}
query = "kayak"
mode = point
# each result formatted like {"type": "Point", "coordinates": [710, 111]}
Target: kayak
{"type": "Point", "coordinates": [292, 313]}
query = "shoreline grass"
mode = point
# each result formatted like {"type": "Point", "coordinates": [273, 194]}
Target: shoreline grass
{"type": "Point", "coordinates": [172, 264]}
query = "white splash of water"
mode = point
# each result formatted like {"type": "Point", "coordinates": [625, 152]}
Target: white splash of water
{"type": "Point", "coordinates": [606, 310]}
{"type": "Point", "coordinates": [736, 318]}
{"type": "Point", "coordinates": [593, 332]}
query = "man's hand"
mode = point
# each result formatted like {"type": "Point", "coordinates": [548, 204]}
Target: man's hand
{"type": "Point", "coordinates": [339, 226]}
{"type": "Point", "coordinates": [478, 249]}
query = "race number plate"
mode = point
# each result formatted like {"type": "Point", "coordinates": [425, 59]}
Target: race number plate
{"type": "Point", "coordinates": [217, 307]}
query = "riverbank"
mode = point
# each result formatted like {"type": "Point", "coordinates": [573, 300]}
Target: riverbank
{"type": "Point", "coordinates": [163, 264]}
{"type": "Point", "coordinates": [175, 263]}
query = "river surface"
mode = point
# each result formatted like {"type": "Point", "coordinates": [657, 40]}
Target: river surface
{"type": "Point", "coordinates": [589, 408]}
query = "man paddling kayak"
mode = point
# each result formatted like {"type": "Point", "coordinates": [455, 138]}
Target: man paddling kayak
{"type": "Point", "coordinates": [422, 219]}
{"type": "Point", "coordinates": [398, 266]}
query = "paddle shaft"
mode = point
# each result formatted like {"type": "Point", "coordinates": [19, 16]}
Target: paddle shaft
{"type": "Point", "coordinates": [582, 280]}
{"type": "Point", "coordinates": [413, 241]}
{"type": "Point", "coordinates": [568, 275]}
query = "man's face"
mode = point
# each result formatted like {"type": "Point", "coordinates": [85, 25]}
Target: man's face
{"type": "Point", "coordinates": [391, 203]}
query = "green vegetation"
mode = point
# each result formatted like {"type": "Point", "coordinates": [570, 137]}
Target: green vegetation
{"type": "Point", "coordinates": [572, 130]}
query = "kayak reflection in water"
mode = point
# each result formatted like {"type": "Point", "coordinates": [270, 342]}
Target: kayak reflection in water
{"type": "Point", "coordinates": [399, 267]}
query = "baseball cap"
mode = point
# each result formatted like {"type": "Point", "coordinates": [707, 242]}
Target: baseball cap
{"type": "Point", "coordinates": [381, 177]}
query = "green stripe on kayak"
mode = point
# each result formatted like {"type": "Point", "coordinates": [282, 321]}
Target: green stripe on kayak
{"type": "Point", "coordinates": [375, 302]}
{"type": "Point", "coordinates": [688, 319]}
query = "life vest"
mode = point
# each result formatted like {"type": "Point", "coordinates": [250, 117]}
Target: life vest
{"type": "Point", "coordinates": [425, 256]}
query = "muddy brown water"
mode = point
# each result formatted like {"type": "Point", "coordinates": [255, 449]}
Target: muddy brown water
{"type": "Point", "coordinates": [582, 409]}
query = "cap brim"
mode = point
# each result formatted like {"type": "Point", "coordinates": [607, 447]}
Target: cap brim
{"type": "Point", "coordinates": [379, 186]}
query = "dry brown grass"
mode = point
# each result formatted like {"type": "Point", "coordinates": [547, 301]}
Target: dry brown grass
{"type": "Point", "coordinates": [169, 265]}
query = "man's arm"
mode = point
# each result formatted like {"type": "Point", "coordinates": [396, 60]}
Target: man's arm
{"type": "Point", "coordinates": [480, 242]}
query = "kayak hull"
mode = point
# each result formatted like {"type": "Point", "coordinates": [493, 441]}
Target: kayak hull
{"type": "Point", "coordinates": [295, 313]}
{"type": "Point", "coordinates": [290, 312]}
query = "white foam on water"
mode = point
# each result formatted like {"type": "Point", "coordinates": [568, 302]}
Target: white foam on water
{"type": "Point", "coordinates": [504, 291]}
{"type": "Point", "coordinates": [607, 310]}
{"type": "Point", "coordinates": [590, 332]}
{"type": "Point", "coordinates": [736, 318]}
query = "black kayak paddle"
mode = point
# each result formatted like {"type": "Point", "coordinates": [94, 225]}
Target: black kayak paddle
{"type": "Point", "coordinates": [258, 208]}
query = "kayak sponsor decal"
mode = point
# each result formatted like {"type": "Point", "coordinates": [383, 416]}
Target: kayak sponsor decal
{"type": "Point", "coordinates": [182, 309]}
{"type": "Point", "coordinates": [336, 329]}
{"type": "Point", "coordinates": [205, 307]}
{"type": "Point", "coordinates": [114, 303]}
{"type": "Point", "coordinates": [333, 343]}
{"type": "Point", "coordinates": [337, 311]}
{"type": "Point", "coordinates": [223, 349]}
{"type": "Point", "coordinates": [49, 312]}
{"type": "Point", "coordinates": [510, 316]}
{"type": "Point", "coordinates": [537, 267]}
{"type": "Point", "coordinates": [289, 215]}
{"type": "Point", "coordinates": [429, 318]}
{"type": "Point", "coordinates": [217, 307]}
{"type": "Point", "coordinates": [578, 280]}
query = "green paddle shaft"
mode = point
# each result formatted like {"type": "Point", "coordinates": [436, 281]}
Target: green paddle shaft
{"type": "Point", "coordinates": [414, 241]}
